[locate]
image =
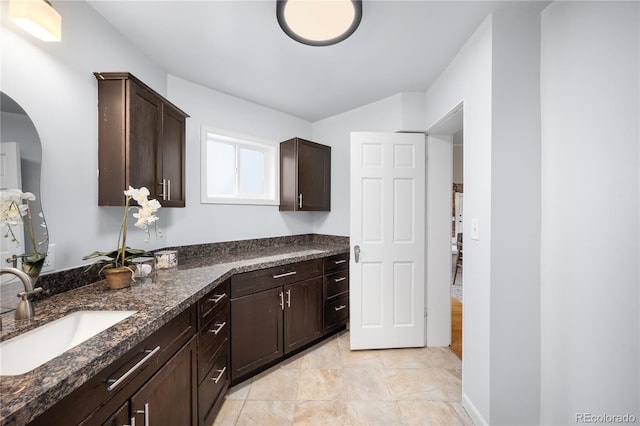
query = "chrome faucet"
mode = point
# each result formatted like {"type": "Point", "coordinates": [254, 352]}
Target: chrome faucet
{"type": "Point", "coordinates": [25, 308]}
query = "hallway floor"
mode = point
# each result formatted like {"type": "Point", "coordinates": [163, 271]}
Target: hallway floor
{"type": "Point", "coordinates": [329, 384]}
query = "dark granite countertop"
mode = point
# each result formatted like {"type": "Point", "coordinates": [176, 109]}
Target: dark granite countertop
{"type": "Point", "coordinates": [24, 397]}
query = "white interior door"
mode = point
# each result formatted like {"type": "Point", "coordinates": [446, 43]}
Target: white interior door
{"type": "Point", "coordinates": [387, 277]}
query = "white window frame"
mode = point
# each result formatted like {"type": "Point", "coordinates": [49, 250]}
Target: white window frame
{"type": "Point", "coordinates": [272, 167]}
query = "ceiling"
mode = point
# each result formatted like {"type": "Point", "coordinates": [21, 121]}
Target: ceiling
{"type": "Point", "coordinates": [238, 48]}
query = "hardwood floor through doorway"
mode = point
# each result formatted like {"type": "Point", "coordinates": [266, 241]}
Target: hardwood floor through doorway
{"type": "Point", "coordinates": [456, 327]}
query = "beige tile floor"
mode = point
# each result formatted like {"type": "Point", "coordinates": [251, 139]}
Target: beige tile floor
{"type": "Point", "coordinates": [329, 384]}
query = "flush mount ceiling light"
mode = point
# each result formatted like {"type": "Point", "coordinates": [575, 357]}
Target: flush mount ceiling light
{"type": "Point", "coordinates": [37, 17]}
{"type": "Point", "coordinates": [319, 22]}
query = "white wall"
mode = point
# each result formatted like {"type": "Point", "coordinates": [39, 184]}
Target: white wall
{"type": "Point", "coordinates": [515, 218]}
{"type": "Point", "coordinates": [468, 79]}
{"type": "Point", "coordinates": [200, 223]}
{"type": "Point", "coordinates": [590, 233]}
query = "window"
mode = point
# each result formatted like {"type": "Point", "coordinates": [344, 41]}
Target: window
{"type": "Point", "coordinates": [238, 169]}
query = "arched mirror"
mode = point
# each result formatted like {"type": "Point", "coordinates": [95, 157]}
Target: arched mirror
{"type": "Point", "coordinates": [24, 240]}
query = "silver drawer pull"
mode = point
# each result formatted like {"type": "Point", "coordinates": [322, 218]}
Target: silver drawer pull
{"type": "Point", "coordinates": [146, 414]}
{"type": "Point", "coordinates": [113, 383]}
{"type": "Point", "coordinates": [221, 373]}
{"type": "Point", "coordinates": [219, 327]}
{"type": "Point", "coordinates": [339, 279]}
{"type": "Point", "coordinates": [286, 274]}
{"type": "Point", "coordinates": [217, 297]}
{"type": "Point", "coordinates": [339, 308]}
{"type": "Point", "coordinates": [338, 262]}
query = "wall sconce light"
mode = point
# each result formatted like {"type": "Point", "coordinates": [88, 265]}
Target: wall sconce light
{"type": "Point", "coordinates": [37, 17]}
{"type": "Point", "coordinates": [319, 22]}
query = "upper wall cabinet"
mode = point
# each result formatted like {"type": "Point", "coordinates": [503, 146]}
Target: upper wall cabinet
{"type": "Point", "coordinates": [305, 176]}
{"type": "Point", "coordinates": [141, 142]}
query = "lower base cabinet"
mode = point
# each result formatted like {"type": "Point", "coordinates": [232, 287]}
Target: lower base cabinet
{"type": "Point", "coordinates": [168, 398]}
{"type": "Point", "coordinates": [256, 331]}
{"type": "Point", "coordinates": [278, 311]}
{"type": "Point", "coordinates": [302, 313]}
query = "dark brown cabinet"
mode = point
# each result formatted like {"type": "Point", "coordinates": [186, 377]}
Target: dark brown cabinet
{"type": "Point", "coordinates": [159, 372]}
{"type": "Point", "coordinates": [302, 313]}
{"type": "Point", "coordinates": [336, 292]}
{"type": "Point", "coordinates": [305, 176]}
{"type": "Point", "coordinates": [256, 331]}
{"type": "Point", "coordinates": [274, 311]}
{"type": "Point", "coordinates": [213, 352]}
{"type": "Point", "coordinates": [169, 397]}
{"type": "Point", "coordinates": [121, 417]}
{"type": "Point", "coordinates": [141, 142]}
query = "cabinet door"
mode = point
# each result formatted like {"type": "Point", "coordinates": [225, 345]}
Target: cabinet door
{"type": "Point", "coordinates": [314, 176]}
{"type": "Point", "coordinates": [303, 313]}
{"type": "Point", "coordinates": [172, 161]}
{"type": "Point", "coordinates": [170, 396]}
{"type": "Point", "coordinates": [120, 418]}
{"type": "Point", "coordinates": [256, 331]}
{"type": "Point", "coordinates": [145, 109]}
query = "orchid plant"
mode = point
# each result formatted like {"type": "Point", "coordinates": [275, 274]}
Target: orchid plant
{"type": "Point", "coordinates": [145, 213]}
{"type": "Point", "coordinates": [16, 210]}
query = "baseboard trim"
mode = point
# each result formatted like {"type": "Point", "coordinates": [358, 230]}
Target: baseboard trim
{"type": "Point", "coordinates": [473, 412]}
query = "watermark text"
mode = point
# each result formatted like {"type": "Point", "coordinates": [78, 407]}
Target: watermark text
{"type": "Point", "coordinates": [605, 418]}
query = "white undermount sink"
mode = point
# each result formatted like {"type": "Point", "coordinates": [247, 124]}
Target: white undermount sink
{"type": "Point", "coordinates": [29, 350]}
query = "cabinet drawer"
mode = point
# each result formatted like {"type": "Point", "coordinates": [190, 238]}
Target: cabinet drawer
{"type": "Point", "coordinates": [336, 311]}
{"type": "Point", "coordinates": [255, 281]}
{"type": "Point", "coordinates": [216, 380]}
{"type": "Point", "coordinates": [336, 283]}
{"type": "Point", "coordinates": [336, 262]}
{"type": "Point", "coordinates": [208, 305]}
{"type": "Point", "coordinates": [211, 339]}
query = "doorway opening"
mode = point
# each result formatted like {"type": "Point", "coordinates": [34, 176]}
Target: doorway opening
{"type": "Point", "coordinates": [457, 246]}
{"type": "Point", "coordinates": [450, 129]}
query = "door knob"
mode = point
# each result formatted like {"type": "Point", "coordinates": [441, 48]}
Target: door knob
{"type": "Point", "coordinates": [356, 253]}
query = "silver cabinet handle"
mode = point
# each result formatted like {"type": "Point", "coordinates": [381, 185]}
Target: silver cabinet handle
{"type": "Point", "coordinates": [113, 383]}
{"type": "Point", "coordinates": [217, 297]}
{"type": "Point", "coordinates": [339, 279]}
{"type": "Point", "coordinates": [133, 422]}
{"type": "Point", "coordinates": [146, 414]}
{"type": "Point", "coordinates": [282, 300]}
{"type": "Point", "coordinates": [221, 373]}
{"type": "Point", "coordinates": [339, 308]}
{"type": "Point", "coordinates": [356, 253]}
{"type": "Point", "coordinates": [338, 262]}
{"type": "Point", "coordinates": [300, 200]}
{"type": "Point", "coordinates": [164, 189]}
{"type": "Point", "coordinates": [218, 328]}
{"type": "Point", "coordinates": [286, 274]}
{"type": "Point", "coordinates": [289, 298]}
{"type": "Point", "coordinates": [169, 189]}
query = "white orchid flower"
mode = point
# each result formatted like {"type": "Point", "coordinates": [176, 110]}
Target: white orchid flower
{"type": "Point", "coordinates": [139, 195]}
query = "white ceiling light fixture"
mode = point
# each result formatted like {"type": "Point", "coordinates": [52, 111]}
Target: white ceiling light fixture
{"type": "Point", "coordinates": [319, 22]}
{"type": "Point", "coordinates": [37, 17]}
